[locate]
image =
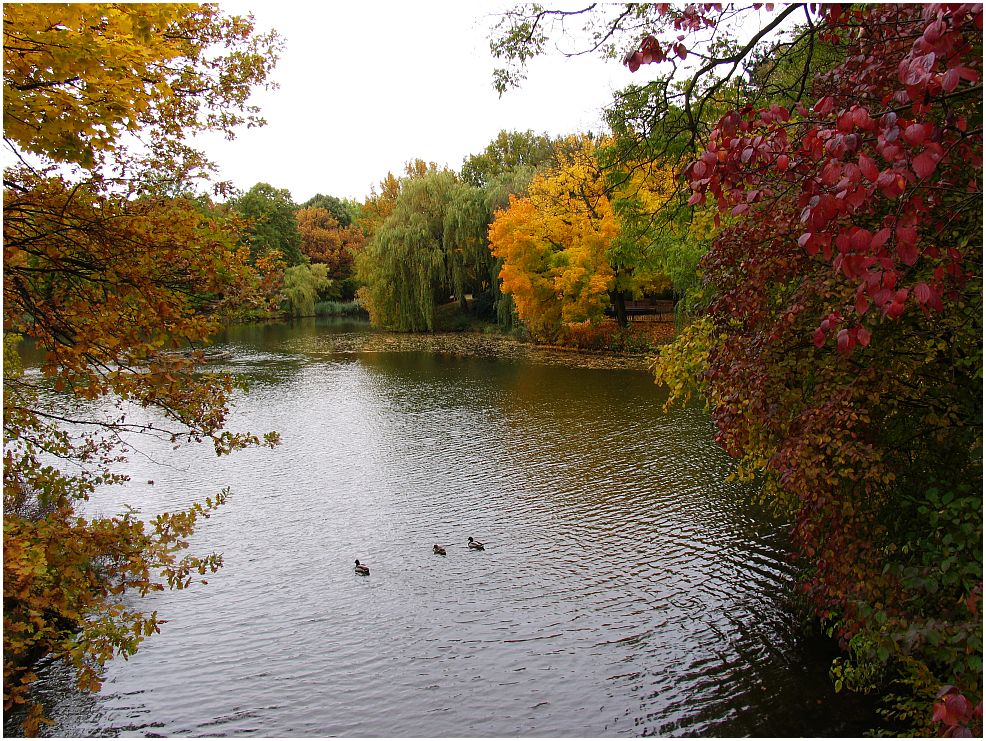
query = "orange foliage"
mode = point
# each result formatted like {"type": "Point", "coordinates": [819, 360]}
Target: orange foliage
{"type": "Point", "coordinates": [554, 246]}
{"type": "Point", "coordinates": [323, 240]}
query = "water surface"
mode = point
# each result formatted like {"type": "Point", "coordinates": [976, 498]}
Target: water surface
{"type": "Point", "coordinates": [626, 588]}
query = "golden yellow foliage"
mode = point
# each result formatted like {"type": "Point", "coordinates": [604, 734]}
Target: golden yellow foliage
{"type": "Point", "coordinates": [554, 245]}
{"type": "Point", "coordinates": [77, 76]}
{"type": "Point", "coordinates": [104, 271]}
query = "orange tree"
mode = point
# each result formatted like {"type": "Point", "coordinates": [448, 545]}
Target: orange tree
{"type": "Point", "coordinates": [553, 245]}
{"type": "Point", "coordinates": [103, 271]}
{"type": "Point", "coordinates": [593, 229]}
{"type": "Point", "coordinates": [325, 240]}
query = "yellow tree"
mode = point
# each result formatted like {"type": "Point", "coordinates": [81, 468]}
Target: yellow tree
{"type": "Point", "coordinates": [104, 270]}
{"type": "Point", "coordinates": [79, 76]}
{"type": "Point", "coordinates": [554, 245]}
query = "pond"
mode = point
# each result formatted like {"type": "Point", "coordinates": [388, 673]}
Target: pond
{"type": "Point", "coordinates": [626, 587]}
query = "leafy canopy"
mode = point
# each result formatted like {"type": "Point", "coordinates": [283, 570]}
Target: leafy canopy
{"type": "Point", "coordinates": [554, 245]}
{"type": "Point", "coordinates": [106, 270]}
{"type": "Point", "coordinates": [81, 81]}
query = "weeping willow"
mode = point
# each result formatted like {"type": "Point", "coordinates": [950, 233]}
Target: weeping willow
{"type": "Point", "coordinates": [405, 266]}
{"type": "Point", "coordinates": [302, 286]}
{"type": "Point", "coordinates": [433, 248]}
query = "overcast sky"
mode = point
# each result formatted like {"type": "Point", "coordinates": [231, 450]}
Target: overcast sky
{"type": "Point", "coordinates": [368, 86]}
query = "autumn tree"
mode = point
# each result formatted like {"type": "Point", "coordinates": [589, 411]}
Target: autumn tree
{"type": "Point", "coordinates": [104, 269]}
{"type": "Point", "coordinates": [496, 197]}
{"type": "Point", "coordinates": [842, 352]}
{"type": "Point", "coordinates": [379, 204]}
{"type": "Point", "coordinates": [338, 209]}
{"type": "Point", "coordinates": [324, 240]}
{"type": "Point", "coordinates": [554, 245]}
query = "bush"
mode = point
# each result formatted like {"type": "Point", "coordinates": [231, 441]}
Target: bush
{"type": "Point", "coordinates": [339, 308]}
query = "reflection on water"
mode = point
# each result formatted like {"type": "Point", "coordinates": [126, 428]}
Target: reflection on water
{"type": "Point", "coordinates": [625, 589]}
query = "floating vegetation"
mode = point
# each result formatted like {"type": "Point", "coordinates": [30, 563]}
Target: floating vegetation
{"type": "Point", "coordinates": [468, 346]}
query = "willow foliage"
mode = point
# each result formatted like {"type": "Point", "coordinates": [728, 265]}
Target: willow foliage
{"type": "Point", "coordinates": [404, 266]}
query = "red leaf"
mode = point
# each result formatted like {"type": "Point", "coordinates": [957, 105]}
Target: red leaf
{"type": "Point", "coordinates": [886, 178]}
{"type": "Point", "coordinates": [880, 238]}
{"type": "Point", "coordinates": [819, 338]}
{"type": "Point", "coordinates": [950, 80]}
{"type": "Point", "coordinates": [860, 240]}
{"type": "Point", "coordinates": [844, 341]}
{"type": "Point", "coordinates": [740, 209]}
{"type": "Point", "coordinates": [696, 198]}
{"type": "Point", "coordinates": [958, 731]}
{"type": "Point", "coordinates": [922, 292]}
{"type": "Point", "coordinates": [825, 105]}
{"type": "Point", "coordinates": [915, 134]}
{"type": "Point", "coordinates": [907, 253]}
{"type": "Point", "coordinates": [907, 234]}
{"type": "Point", "coordinates": [698, 169]}
{"type": "Point", "coordinates": [863, 336]}
{"type": "Point", "coordinates": [862, 303]}
{"type": "Point", "coordinates": [782, 163]}
{"type": "Point", "coordinates": [861, 117]}
{"type": "Point", "coordinates": [680, 50]}
{"type": "Point", "coordinates": [868, 168]}
{"type": "Point", "coordinates": [917, 70]}
{"type": "Point", "coordinates": [967, 74]}
{"type": "Point", "coordinates": [925, 163]}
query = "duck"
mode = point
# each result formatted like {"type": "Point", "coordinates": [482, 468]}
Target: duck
{"type": "Point", "coordinates": [439, 550]}
{"type": "Point", "coordinates": [476, 545]}
{"type": "Point", "coordinates": [361, 568]}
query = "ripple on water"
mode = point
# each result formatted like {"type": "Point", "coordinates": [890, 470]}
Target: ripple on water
{"type": "Point", "coordinates": [626, 588]}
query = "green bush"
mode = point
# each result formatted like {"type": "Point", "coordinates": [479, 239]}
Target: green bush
{"type": "Point", "coordinates": [338, 308]}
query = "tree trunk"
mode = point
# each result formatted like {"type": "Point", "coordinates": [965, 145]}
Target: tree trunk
{"type": "Point", "coordinates": [620, 307]}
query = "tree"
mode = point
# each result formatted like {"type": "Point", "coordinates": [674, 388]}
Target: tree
{"type": "Point", "coordinates": [507, 152]}
{"type": "Point", "coordinates": [843, 346]}
{"type": "Point", "coordinates": [378, 206]}
{"type": "Point", "coordinates": [554, 245]}
{"type": "Point", "coordinates": [79, 77]}
{"type": "Point", "coordinates": [336, 208]}
{"type": "Point", "coordinates": [405, 265]}
{"type": "Point", "coordinates": [105, 271]}
{"type": "Point", "coordinates": [270, 212]}
{"type": "Point", "coordinates": [496, 195]}
{"type": "Point", "coordinates": [872, 199]}
{"type": "Point", "coordinates": [325, 241]}
{"type": "Point", "coordinates": [302, 286]}
{"type": "Point", "coordinates": [661, 242]}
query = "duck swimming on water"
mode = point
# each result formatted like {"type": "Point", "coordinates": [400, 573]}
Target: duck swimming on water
{"type": "Point", "coordinates": [361, 568]}
{"type": "Point", "coordinates": [476, 545]}
{"type": "Point", "coordinates": [439, 550]}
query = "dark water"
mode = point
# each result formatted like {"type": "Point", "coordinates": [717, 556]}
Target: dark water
{"type": "Point", "coordinates": [626, 588]}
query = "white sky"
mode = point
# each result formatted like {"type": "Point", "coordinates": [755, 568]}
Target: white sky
{"type": "Point", "coordinates": [368, 86]}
